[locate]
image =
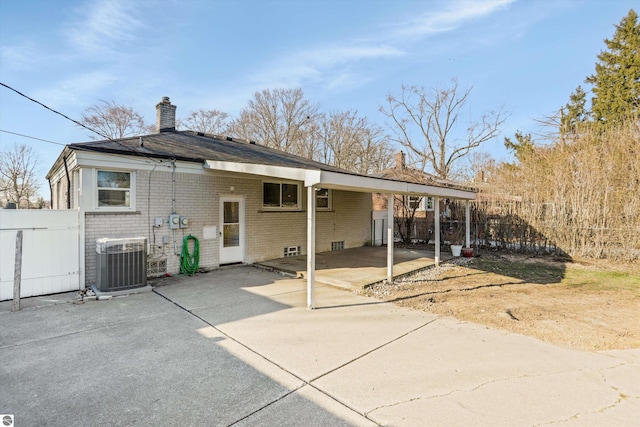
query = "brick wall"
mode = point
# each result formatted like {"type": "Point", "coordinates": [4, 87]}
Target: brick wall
{"type": "Point", "coordinates": [197, 197]}
{"type": "Point", "coordinates": [268, 233]}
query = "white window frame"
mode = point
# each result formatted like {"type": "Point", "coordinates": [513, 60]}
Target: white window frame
{"type": "Point", "coordinates": [411, 202]}
{"type": "Point", "coordinates": [298, 205]}
{"type": "Point", "coordinates": [429, 203]}
{"type": "Point", "coordinates": [132, 191]}
{"type": "Point", "coordinates": [329, 198]}
{"type": "Point", "coordinates": [426, 203]}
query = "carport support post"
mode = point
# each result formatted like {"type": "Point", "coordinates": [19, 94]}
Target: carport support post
{"type": "Point", "coordinates": [311, 246]}
{"type": "Point", "coordinates": [467, 224]}
{"type": "Point", "coordinates": [436, 227]}
{"type": "Point", "coordinates": [390, 203]}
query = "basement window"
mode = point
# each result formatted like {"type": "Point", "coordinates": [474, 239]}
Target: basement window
{"type": "Point", "coordinates": [292, 251]}
{"type": "Point", "coordinates": [280, 195]}
{"type": "Point", "coordinates": [337, 246]}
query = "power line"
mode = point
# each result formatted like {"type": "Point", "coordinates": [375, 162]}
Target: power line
{"type": "Point", "coordinates": [80, 124]}
{"type": "Point", "coordinates": [32, 137]}
{"type": "Point", "coordinates": [54, 111]}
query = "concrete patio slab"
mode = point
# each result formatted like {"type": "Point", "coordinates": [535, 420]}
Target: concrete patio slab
{"type": "Point", "coordinates": [238, 346]}
{"type": "Point", "coordinates": [357, 268]}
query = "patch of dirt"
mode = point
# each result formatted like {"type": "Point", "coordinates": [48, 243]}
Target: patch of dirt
{"type": "Point", "coordinates": [554, 301]}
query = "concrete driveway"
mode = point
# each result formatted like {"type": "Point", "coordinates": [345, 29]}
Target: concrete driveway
{"type": "Point", "coordinates": [238, 347]}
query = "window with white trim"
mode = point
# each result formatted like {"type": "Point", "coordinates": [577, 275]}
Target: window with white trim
{"type": "Point", "coordinates": [280, 195]}
{"type": "Point", "coordinates": [114, 189]}
{"type": "Point", "coordinates": [414, 202]}
{"type": "Point", "coordinates": [323, 199]}
{"type": "Point", "coordinates": [429, 203]}
{"type": "Point", "coordinates": [419, 203]}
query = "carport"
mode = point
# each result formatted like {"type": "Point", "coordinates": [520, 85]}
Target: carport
{"type": "Point", "coordinates": [317, 178]}
{"type": "Point", "coordinates": [355, 268]}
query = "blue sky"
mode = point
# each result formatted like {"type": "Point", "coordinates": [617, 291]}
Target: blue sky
{"type": "Point", "coordinates": [525, 57]}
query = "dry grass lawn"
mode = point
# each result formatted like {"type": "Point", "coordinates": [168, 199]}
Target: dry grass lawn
{"type": "Point", "coordinates": [590, 306]}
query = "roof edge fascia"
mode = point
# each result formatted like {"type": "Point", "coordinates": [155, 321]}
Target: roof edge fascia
{"type": "Point", "coordinates": [380, 185]}
{"type": "Point", "coordinates": [280, 172]}
{"type": "Point", "coordinates": [335, 180]}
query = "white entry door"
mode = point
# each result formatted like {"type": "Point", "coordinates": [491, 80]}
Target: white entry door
{"type": "Point", "coordinates": [232, 230]}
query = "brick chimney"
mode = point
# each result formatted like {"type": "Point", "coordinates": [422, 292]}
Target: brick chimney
{"type": "Point", "coordinates": [400, 162]}
{"type": "Point", "coordinates": [165, 116]}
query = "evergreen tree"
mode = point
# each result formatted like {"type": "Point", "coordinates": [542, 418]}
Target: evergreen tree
{"type": "Point", "coordinates": [574, 112]}
{"type": "Point", "coordinates": [522, 146]}
{"type": "Point", "coordinates": [616, 82]}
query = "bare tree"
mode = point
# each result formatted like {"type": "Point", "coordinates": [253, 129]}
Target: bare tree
{"type": "Point", "coordinates": [281, 119]}
{"type": "Point", "coordinates": [476, 169]}
{"type": "Point", "coordinates": [17, 179]}
{"type": "Point", "coordinates": [114, 121]}
{"type": "Point", "coordinates": [427, 122]}
{"type": "Point", "coordinates": [211, 122]}
{"type": "Point", "coordinates": [350, 142]}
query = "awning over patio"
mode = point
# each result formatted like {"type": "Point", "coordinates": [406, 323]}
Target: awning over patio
{"type": "Point", "coordinates": [342, 181]}
{"type": "Point", "coordinates": [315, 178]}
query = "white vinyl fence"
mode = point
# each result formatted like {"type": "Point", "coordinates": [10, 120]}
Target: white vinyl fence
{"type": "Point", "coordinates": [50, 251]}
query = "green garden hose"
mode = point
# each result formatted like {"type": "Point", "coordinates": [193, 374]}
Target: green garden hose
{"type": "Point", "coordinates": [189, 261]}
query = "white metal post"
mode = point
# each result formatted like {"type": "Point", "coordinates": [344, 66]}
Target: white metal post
{"type": "Point", "coordinates": [467, 225]}
{"type": "Point", "coordinates": [311, 246]}
{"type": "Point", "coordinates": [436, 222]}
{"type": "Point", "coordinates": [390, 203]}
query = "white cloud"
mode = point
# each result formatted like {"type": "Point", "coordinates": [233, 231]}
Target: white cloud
{"type": "Point", "coordinates": [455, 14]}
{"type": "Point", "coordinates": [18, 57]}
{"type": "Point", "coordinates": [349, 64]}
{"type": "Point", "coordinates": [328, 65]}
{"type": "Point", "coordinates": [103, 25]}
{"type": "Point", "coordinates": [76, 90]}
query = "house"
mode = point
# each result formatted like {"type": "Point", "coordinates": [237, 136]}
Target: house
{"type": "Point", "coordinates": [244, 202]}
{"type": "Point", "coordinates": [414, 215]}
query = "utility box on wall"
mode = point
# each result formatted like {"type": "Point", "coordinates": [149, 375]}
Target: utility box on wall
{"type": "Point", "coordinates": [174, 221]}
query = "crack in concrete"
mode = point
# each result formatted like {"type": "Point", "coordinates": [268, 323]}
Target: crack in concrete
{"type": "Point", "coordinates": [470, 390]}
{"type": "Point", "coordinates": [621, 398]}
{"type": "Point", "coordinates": [479, 386]}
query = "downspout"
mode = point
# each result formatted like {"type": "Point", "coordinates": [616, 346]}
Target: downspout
{"type": "Point", "coordinates": [173, 202]}
{"type": "Point", "coordinates": [50, 193]}
{"type": "Point", "coordinates": [66, 171]}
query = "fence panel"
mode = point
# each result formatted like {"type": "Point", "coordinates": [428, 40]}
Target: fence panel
{"type": "Point", "coordinates": [50, 251]}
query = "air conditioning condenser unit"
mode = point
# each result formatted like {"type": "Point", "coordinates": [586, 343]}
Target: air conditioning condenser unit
{"type": "Point", "coordinates": [121, 264]}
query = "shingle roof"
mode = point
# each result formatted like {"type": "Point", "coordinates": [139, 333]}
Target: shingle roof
{"type": "Point", "coordinates": [197, 147]}
{"type": "Point", "coordinates": [419, 177]}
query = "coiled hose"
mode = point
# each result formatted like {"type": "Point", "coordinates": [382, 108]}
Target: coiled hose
{"type": "Point", "coordinates": [189, 261]}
